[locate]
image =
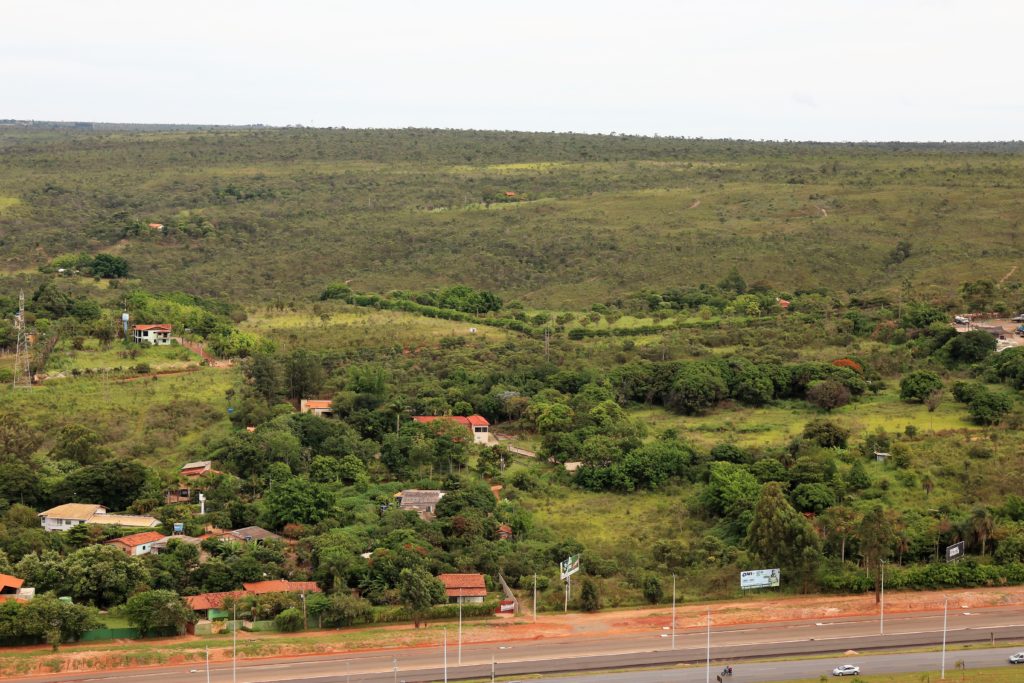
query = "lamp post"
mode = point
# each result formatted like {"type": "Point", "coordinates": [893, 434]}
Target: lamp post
{"type": "Point", "coordinates": [446, 656]}
{"type": "Point", "coordinates": [707, 677]}
{"type": "Point", "coordinates": [234, 641]}
{"type": "Point", "coordinates": [881, 613]}
{"type": "Point", "coordinates": [460, 631]}
{"type": "Point", "coordinates": [673, 611]}
{"type": "Point", "coordinates": [945, 612]}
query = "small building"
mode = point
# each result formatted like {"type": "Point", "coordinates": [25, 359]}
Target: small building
{"type": "Point", "coordinates": [783, 304]}
{"type": "Point", "coordinates": [191, 470]}
{"type": "Point", "coordinates": [137, 544]}
{"type": "Point", "coordinates": [464, 588]}
{"type": "Point", "coordinates": [64, 517]}
{"type": "Point", "coordinates": [189, 473]}
{"type": "Point", "coordinates": [156, 226]}
{"type": "Point", "coordinates": [281, 586]}
{"type": "Point", "coordinates": [504, 532]}
{"type": "Point", "coordinates": [161, 546]}
{"type": "Point", "coordinates": [249, 534]}
{"type": "Point", "coordinates": [10, 585]}
{"type": "Point", "coordinates": [476, 424]}
{"type": "Point", "coordinates": [421, 501]}
{"type": "Point", "coordinates": [134, 521]}
{"type": "Point", "coordinates": [157, 335]}
{"type": "Point", "coordinates": [320, 408]}
{"type": "Point", "coordinates": [210, 606]}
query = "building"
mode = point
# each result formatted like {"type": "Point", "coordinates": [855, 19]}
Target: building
{"type": "Point", "coordinates": [464, 588]}
{"type": "Point", "coordinates": [320, 408]}
{"type": "Point", "coordinates": [211, 605]}
{"type": "Point", "coordinates": [421, 501]}
{"type": "Point", "coordinates": [191, 470]}
{"type": "Point", "coordinates": [64, 517]}
{"type": "Point", "coordinates": [161, 546]}
{"type": "Point", "coordinates": [12, 588]}
{"type": "Point", "coordinates": [157, 335]}
{"type": "Point", "coordinates": [134, 521]}
{"type": "Point", "coordinates": [504, 532]}
{"type": "Point", "coordinates": [137, 544]}
{"type": "Point", "coordinates": [475, 423]}
{"type": "Point", "coordinates": [249, 534]}
{"type": "Point", "coordinates": [189, 473]}
{"type": "Point", "coordinates": [281, 586]}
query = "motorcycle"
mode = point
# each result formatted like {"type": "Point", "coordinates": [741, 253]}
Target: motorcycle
{"type": "Point", "coordinates": [727, 671]}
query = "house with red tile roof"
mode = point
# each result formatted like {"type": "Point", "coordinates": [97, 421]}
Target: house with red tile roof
{"type": "Point", "coordinates": [9, 585]}
{"type": "Point", "coordinates": [477, 424]}
{"type": "Point", "coordinates": [211, 605]}
{"type": "Point", "coordinates": [320, 408]}
{"type": "Point", "coordinates": [135, 545]}
{"type": "Point", "coordinates": [281, 586]}
{"type": "Point", "coordinates": [158, 335]}
{"type": "Point", "coordinates": [464, 588]}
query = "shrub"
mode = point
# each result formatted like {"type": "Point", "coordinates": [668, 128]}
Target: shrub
{"type": "Point", "coordinates": [826, 434]}
{"type": "Point", "coordinates": [828, 395]}
{"type": "Point", "coordinates": [590, 599]}
{"type": "Point", "coordinates": [289, 621]}
{"type": "Point", "coordinates": [989, 408]}
{"type": "Point", "coordinates": [918, 385]}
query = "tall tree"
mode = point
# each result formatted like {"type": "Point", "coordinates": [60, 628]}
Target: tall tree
{"type": "Point", "coordinates": [419, 591]}
{"type": "Point", "coordinates": [159, 610]}
{"type": "Point", "coordinates": [781, 536]}
{"type": "Point", "coordinates": [876, 537]}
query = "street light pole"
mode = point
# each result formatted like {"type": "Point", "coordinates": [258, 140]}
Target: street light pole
{"type": "Point", "coordinates": [234, 641]}
{"type": "Point", "coordinates": [707, 677]}
{"type": "Point", "coordinates": [446, 656]}
{"type": "Point", "coordinates": [535, 598]}
{"type": "Point", "coordinates": [673, 611]}
{"type": "Point", "coordinates": [945, 612]}
{"type": "Point", "coordinates": [881, 613]}
{"type": "Point", "coordinates": [460, 631]}
{"type": "Point", "coordinates": [207, 664]}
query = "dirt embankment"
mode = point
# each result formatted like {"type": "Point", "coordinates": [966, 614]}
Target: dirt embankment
{"type": "Point", "coordinates": [757, 609]}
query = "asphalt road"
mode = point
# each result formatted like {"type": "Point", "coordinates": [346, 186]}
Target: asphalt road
{"type": "Point", "coordinates": [588, 653]}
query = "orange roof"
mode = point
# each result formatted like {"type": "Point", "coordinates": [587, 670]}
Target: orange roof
{"type": "Point", "coordinates": [317, 403]}
{"type": "Point", "coordinates": [156, 226]}
{"type": "Point", "coordinates": [135, 540]}
{"type": "Point", "coordinates": [282, 586]}
{"type": "Point", "coordinates": [464, 585]}
{"type": "Point", "coordinates": [471, 421]}
{"type": "Point", "coordinates": [158, 328]}
{"type": "Point", "coordinates": [8, 581]}
{"type": "Point", "coordinates": [211, 600]}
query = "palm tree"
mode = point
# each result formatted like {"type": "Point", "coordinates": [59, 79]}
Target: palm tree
{"type": "Point", "coordinates": [982, 525]}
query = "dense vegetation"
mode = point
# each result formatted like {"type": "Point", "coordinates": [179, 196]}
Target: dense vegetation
{"type": "Point", "coordinates": [719, 413]}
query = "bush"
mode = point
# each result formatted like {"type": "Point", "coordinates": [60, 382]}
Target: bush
{"type": "Point", "coordinates": [989, 408]}
{"type": "Point", "coordinates": [289, 621]}
{"type": "Point", "coordinates": [828, 395]}
{"type": "Point", "coordinates": [652, 589]}
{"type": "Point", "coordinates": [918, 385]}
{"type": "Point", "coordinates": [590, 599]}
{"type": "Point", "coordinates": [826, 434]}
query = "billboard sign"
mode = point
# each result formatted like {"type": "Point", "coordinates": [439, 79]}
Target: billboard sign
{"type": "Point", "coordinates": [759, 578]}
{"type": "Point", "coordinates": [179, 527]}
{"type": "Point", "coordinates": [954, 552]}
{"type": "Point", "coordinates": [569, 567]}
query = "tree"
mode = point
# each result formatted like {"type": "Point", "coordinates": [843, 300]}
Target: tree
{"type": "Point", "coordinates": [109, 266]}
{"type": "Point", "coordinates": [970, 347]}
{"type": "Point", "coordinates": [826, 434]}
{"type": "Point", "coordinates": [918, 385]}
{"type": "Point", "coordinates": [698, 386]}
{"type": "Point", "coordinates": [114, 484]}
{"type": "Point", "coordinates": [781, 536]}
{"type": "Point", "coordinates": [289, 620]}
{"type": "Point", "coordinates": [828, 395]}
{"type": "Point", "coordinates": [57, 620]}
{"type": "Point", "coordinates": [158, 611]}
{"type": "Point", "coordinates": [81, 445]}
{"type": "Point", "coordinates": [730, 493]}
{"type": "Point", "coordinates": [419, 591]}
{"type": "Point", "coordinates": [876, 536]}
{"type": "Point", "coordinates": [839, 522]}
{"type": "Point", "coordinates": [590, 598]}
{"type": "Point", "coordinates": [102, 575]}
{"type": "Point", "coordinates": [304, 374]}
{"type": "Point", "coordinates": [989, 408]}
{"type": "Point", "coordinates": [982, 525]}
{"type": "Point", "coordinates": [858, 478]}
{"type": "Point", "coordinates": [813, 497]}
{"type": "Point", "coordinates": [18, 440]}
{"type": "Point", "coordinates": [652, 589]}
{"type": "Point", "coordinates": [263, 371]}
{"type": "Point", "coordinates": [296, 500]}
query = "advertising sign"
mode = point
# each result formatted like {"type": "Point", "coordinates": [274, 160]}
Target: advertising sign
{"type": "Point", "coordinates": [569, 567]}
{"type": "Point", "coordinates": [179, 527]}
{"type": "Point", "coordinates": [954, 552]}
{"type": "Point", "coordinates": [759, 578]}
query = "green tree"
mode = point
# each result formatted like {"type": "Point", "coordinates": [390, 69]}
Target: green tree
{"type": "Point", "coordinates": [813, 497]}
{"type": "Point", "coordinates": [81, 445]}
{"type": "Point", "coordinates": [18, 439]}
{"type": "Point", "coordinates": [57, 621]}
{"type": "Point", "coordinates": [652, 589]}
{"type": "Point", "coordinates": [989, 408]}
{"type": "Point", "coordinates": [158, 611]}
{"type": "Point", "coordinates": [698, 386]}
{"type": "Point", "coordinates": [918, 385]}
{"type": "Point", "coordinates": [289, 620]}
{"type": "Point", "coordinates": [826, 434]}
{"type": "Point", "coordinates": [419, 591]}
{"type": "Point", "coordinates": [296, 500]}
{"type": "Point", "coordinates": [781, 536]}
{"type": "Point", "coordinates": [971, 347]}
{"type": "Point", "coordinates": [828, 395]}
{"type": "Point", "coordinates": [839, 523]}
{"type": "Point", "coordinates": [102, 575]}
{"type": "Point", "coordinates": [858, 478]}
{"type": "Point", "coordinates": [876, 537]}
{"type": "Point", "coordinates": [114, 484]}
{"type": "Point", "coordinates": [109, 266]}
{"type": "Point", "coordinates": [590, 598]}
{"type": "Point", "coordinates": [304, 374]}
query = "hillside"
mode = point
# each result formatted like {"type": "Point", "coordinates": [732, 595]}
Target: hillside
{"type": "Point", "coordinates": [276, 214]}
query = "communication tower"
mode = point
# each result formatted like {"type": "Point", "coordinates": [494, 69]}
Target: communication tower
{"type": "Point", "coordinates": [22, 371]}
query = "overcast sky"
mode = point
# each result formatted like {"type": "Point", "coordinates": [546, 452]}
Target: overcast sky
{"type": "Point", "coordinates": [779, 69]}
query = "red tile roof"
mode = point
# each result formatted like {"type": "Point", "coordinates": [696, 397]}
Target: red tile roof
{"type": "Point", "coordinates": [135, 540]}
{"type": "Point", "coordinates": [318, 403]}
{"type": "Point", "coordinates": [281, 586]}
{"type": "Point", "coordinates": [158, 328]}
{"type": "Point", "coordinates": [464, 585]}
{"type": "Point", "coordinates": [8, 581]}
{"type": "Point", "coordinates": [211, 600]}
{"type": "Point", "coordinates": [471, 421]}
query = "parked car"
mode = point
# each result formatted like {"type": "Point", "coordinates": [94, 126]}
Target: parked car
{"type": "Point", "coordinates": [846, 670]}
{"type": "Point", "coordinates": [961, 320]}
{"type": "Point", "coordinates": [1017, 658]}
{"type": "Point", "coordinates": [1018, 318]}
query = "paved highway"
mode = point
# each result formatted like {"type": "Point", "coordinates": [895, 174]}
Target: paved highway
{"type": "Point", "coordinates": [583, 653]}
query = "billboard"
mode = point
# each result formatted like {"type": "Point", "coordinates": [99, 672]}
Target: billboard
{"type": "Point", "coordinates": [569, 567]}
{"type": "Point", "coordinates": [955, 551]}
{"type": "Point", "coordinates": [759, 578]}
{"type": "Point", "coordinates": [179, 527]}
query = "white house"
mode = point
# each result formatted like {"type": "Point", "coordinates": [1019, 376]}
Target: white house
{"type": "Point", "coordinates": [464, 588]}
{"type": "Point", "coordinates": [63, 517]}
{"type": "Point", "coordinates": [477, 424]}
{"type": "Point", "coordinates": [137, 544]}
{"type": "Point", "coordinates": [320, 408]}
{"type": "Point", "coordinates": [158, 335]}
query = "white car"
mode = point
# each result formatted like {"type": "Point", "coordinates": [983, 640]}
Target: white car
{"type": "Point", "coordinates": [846, 670]}
{"type": "Point", "coordinates": [1017, 658]}
{"type": "Point", "coordinates": [961, 320]}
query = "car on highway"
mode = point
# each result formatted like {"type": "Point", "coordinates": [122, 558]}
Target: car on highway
{"type": "Point", "coordinates": [1017, 658]}
{"type": "Point", "coordinates": [846, 670]}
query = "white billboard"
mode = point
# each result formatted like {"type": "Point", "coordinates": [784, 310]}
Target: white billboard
{"type": "Point", "coordinates": [569, 567]}
{"type": "Point", "coordinates": [759, 578]}
{"type": "Point", "coordinates": [954, 552]}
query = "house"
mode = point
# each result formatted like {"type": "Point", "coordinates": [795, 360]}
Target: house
{"type": "Point", "coordinates": [156, 226]}
{"type": "Point", "coordinates": [12, 588]}
{"type": "Point", "coordinates": [504, 532]}
{"type": "Point", "coordinates": [320, 408]}
{"type": "Point", "coordinates": [137, 544]}
{"type": "Point", "coordinates": [161, 546]}
{"type": "Point", "coordinates": [281, 586]}
{"type": "Point", "coordinates": [783, 304]}
{"type": "Point", "coordinates": [63, 517]}
{"type": "Point", "coordinates": [135, 521]}
{"type": "Point", "coordinates": [249, 534]}
{"type": "Point", "coordinates": [191, 470]}
{"type": "Point", "coordinates": [211, 605]}
{"type": "Point", "coordinates": [464, 588]}
{"type": "Point", "coordinates": [422, 501]}
{"type": "Point", "coordinates": [476, 424]}
{"type": "Point", "coordinates": [157, 335]}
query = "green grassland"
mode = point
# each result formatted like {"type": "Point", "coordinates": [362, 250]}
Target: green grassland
{"type": "Point", "coordinates": [295, 209]}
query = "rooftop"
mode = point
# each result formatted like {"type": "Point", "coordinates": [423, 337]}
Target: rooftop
{"type": "Point", "coordinates": [142, 538]}
{"type": "Point", "coordinates": [471, 421]}
{"type": "Point", "coordinates": [124, 520]}
{"type": "Point", "coordinates": [8, 581]}
{"type": "Point", "coordinates": [281, 586]}
{"type": "Point", "coordinates": [79, 511]}
{"type": "Point", "coordinates": [464, 585]}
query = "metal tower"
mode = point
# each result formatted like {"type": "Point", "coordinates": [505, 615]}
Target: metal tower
{"type": "Point", "coordinates": [22, 372]}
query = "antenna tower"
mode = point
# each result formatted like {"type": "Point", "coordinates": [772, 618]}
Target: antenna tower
{"type": "Point", "coordinates": [22, 372]}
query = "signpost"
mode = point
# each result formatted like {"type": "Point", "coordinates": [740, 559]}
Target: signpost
{"type": "Point", "coordinates": [954, 552]}
{"type": "Point", "coordinates": [759, 578]}
{"type": "Point", "coordinates": [566, 569]}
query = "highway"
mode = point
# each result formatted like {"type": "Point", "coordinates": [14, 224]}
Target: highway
{"type": "Point", "coordinates": [588, 653]}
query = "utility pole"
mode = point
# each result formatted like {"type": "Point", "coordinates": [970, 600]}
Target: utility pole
{"type": "Point", "coordinates": [460, 631]}
{"type": "Point", "coordinates": [492, 668]}
{"type": "Point", "coordinates": [22, 355]}
{"type": "Point", "coordinates": [446, 656]}
{"type": "Point", "coordinates": [207, 664]}
{"type": "Point", "coordinates": [535, 598]}
{"type": "Point", "coordinates": [945, 612]}
{"type": "Point", "coordinates": [881, 613]}
{"type": "Point", "coordinates": [673, 611]}
{"type": "Point", "coordinates": [707, 676]}
{"type": "Point", "coordinates": [234, 641]}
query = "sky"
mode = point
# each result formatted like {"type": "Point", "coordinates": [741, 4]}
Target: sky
{"type": "Point", "coordinates": [830, 70]}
